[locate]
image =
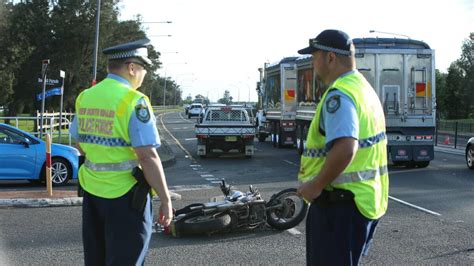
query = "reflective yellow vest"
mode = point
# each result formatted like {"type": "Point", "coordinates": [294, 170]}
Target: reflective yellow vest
{"type": "Point", "coordinates": [103, 113]}
{"type": "Point", "coordinates": [367, 174]}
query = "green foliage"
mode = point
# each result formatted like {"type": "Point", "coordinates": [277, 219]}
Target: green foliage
{"type": "Point", "coordinates": [456, 93]}
{"type": "Point", "coordinates": [226, 99]}
{"type": "Point", "coordinates": [64, 32]}
{"type": "Point", "coordinates": [441, 93]}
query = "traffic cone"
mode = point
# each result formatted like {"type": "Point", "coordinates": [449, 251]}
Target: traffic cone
{"type": "Point", "coordinates": [446, 140]}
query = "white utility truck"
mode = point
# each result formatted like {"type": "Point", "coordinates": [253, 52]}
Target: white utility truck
{"type": "Point", "coordinates": [224, 129]}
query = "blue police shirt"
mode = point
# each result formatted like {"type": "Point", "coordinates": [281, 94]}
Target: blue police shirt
{"type": "Point", "coordinates": [339, 117]}
{"type": "Point", "coordinates": [142, 128]}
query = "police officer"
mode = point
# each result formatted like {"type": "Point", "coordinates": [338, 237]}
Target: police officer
{"type": "Point", "coordinates": [344, 166]}
{"type": "Point", "coordinates": [116, 131]}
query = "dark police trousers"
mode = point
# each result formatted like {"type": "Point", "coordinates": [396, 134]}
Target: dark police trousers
{"type": "Point", "coordinates": [113, 233]}
{"type": "Point", "coordinates": [336, 232]}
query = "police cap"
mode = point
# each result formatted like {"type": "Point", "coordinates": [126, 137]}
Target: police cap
{"type": "Point", "coordinates": [136, 49]}
{"type": "Point", "coordinates": [335, 41]}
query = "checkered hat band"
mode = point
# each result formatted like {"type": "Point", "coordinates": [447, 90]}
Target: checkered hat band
{"type": "Point", "coordinates": [140, 52]}
{"type": "Point", "coordinates": [331, 49]}
{"type": "Point", "coordinates": [363, 143]}
{"type": "Point", "coordinates": [110, 142]}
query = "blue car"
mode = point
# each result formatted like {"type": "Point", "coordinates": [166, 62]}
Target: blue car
{"type": "Point", "coordinates": [23, 156]}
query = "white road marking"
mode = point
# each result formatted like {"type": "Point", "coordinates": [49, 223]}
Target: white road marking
{"type": "Point", "coordinates": [414, 206]}
{"type": "Point", "coordinates": [289, 162]}
{"type": "Point", "coordinates": [195, 165]}
{"type": "Point", "coordinates": [406, 171]}
{"type": "Point", "coordinates": [190, 187]}
{"type": "Point", "coordinates": [190, 139]}
{"type": "Point", "coordinates": [175, 140]}
{"type": "Point", "coordinates": [216, 182]}
{"type": "Point", "coordinates": [207, 175]}
{"type": "Point", "coordinates": [187, 121]}
{"type": "Point", "coordinates": [293, 231]}
{"type": "Point", "coordinates": [212, 179]}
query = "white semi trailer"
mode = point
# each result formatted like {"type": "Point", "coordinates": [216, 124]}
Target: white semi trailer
{"type": "Point", "coordinates": [402, 72]}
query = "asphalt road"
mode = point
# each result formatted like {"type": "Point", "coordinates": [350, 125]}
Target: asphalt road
{"type": "Point", "coordinates": [435, 229]}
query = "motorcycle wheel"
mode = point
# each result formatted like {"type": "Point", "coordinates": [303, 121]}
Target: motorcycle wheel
{"type": "Point", "coordinates": [205, 224]}
{"type": "Point", "coordinates": [292, 211]}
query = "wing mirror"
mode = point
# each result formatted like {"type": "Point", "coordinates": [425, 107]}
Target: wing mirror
{"type": "Point", "coordinates": [25, 143]}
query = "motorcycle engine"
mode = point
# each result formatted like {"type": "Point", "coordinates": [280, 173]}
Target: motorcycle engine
{"type": "Point", "coordinates": [257, 213]}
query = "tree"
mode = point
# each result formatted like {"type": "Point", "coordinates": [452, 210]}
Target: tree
{"type": "Point", "coordinates": [455, 89]}
{"type": "Point", "coordinates": [466, 64]}
{"type": "Point", "coordinates": [441, 93]}
{"type": "Point", "coordinates": [453, 95]}
{"type": "Point", "coordinates": [7, 76]}
{"type": "Point", "coordinates": [226, 99]}
{"type": "Point", "coordinates": [64, 32]}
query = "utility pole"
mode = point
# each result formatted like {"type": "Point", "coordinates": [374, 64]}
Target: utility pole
{"type": "Point", "coordinates": [96, 44]}
{"type": "Point", "coordinates": [44, 69]}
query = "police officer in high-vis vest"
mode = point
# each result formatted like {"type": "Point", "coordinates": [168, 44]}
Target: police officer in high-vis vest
{"type": "Point", "coordinates": [344, 165]}
{"type": "Point", "coordinates": [116, 131]}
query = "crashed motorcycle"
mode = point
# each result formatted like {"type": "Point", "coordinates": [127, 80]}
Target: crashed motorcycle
{"type": "Point", "coordinates": [238, 210]}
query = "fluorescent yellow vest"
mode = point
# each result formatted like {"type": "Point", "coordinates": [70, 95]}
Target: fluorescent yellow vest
{"type": "Point", "coordinates": [367, 174]}
{"type": "Point", "coordinates": [103, 113]}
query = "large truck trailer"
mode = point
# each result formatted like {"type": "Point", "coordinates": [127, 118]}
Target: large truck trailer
{"type": "Point", "coordinates": [279, 102]}
{"type": "Point", "coordinates": [402, 72]}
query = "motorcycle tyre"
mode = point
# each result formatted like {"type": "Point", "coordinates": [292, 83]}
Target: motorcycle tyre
{"type": "Point", "coordinates": [295, 221]}
{"type": "Point", "coordinates": [193, 227]}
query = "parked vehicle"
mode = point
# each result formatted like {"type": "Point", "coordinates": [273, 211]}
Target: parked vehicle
{"type": "Point", "coordinates": [470, 153]}
{"type": "Point", "coordinates": [279, 103]}
{"type": "Point", "coordinates": [239, 210]}
{"type": "Point", "coordinates": [225, 129]}
{"type": "Point", "coordinates": [23, 156]}
{"type": "Point", "coordinates": [196, 109]}
{"type": "Point", "coordinates": [186, 109]}
{"type": "Point", "coordinates": [402, 72]}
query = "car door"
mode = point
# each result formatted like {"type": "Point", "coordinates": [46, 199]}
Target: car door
{"type": "Point", "coordinates": [17, 156]}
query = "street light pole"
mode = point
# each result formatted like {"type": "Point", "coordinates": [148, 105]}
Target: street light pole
{"type": "Point", "coordinates": [96, 46]}
{"type": "Point", "coordinates": [180, 83]}
{"type": "Point", "coordinates": [164, 87]}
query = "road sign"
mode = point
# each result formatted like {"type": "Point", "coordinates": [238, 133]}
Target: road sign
{"type": "Point", "coordinates": [49, 82]}
{"type": "Point", "coordinates": [51, 92]}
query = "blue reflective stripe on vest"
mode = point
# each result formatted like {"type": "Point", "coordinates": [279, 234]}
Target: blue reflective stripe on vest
{"type": "Point", "coordinates": [363, 143]}
{"type": "Point", "coordinates": [111, 142]}
{"type": "Point", "coordinates": [315, 153]}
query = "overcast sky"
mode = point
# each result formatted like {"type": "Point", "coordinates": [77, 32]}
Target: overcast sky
{"type": "Point", "coordinates": [225, 42]}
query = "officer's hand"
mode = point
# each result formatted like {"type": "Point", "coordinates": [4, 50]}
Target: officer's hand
{"type": "Point", "coordinates": [309, 191]}
{"type": "Point", "coordinates": [166, 214]}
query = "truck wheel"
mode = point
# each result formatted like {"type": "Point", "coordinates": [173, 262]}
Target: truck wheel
{"type": "Point", "coordinates": [300, 147]}
{"type": "Point", "coordinates": [280, 139]}
{"type": "Point", "coordinates": [261, 138]}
